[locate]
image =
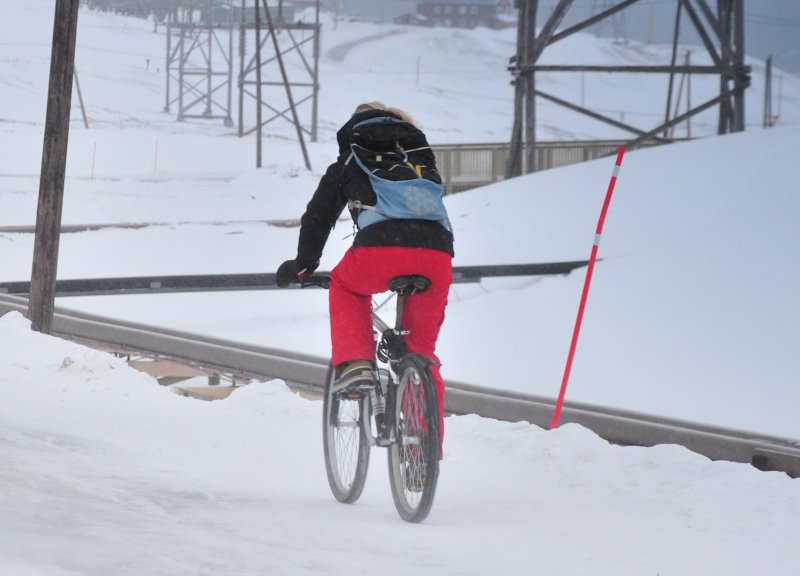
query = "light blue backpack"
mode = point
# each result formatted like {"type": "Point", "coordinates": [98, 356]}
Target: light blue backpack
{"type": "Point", "coordinates": [405, 181]}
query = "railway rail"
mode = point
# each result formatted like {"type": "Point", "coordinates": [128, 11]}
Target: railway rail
{"type": "Point", "coordinates": [245, 362]}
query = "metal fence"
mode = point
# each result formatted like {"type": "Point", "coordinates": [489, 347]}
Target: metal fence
{"type": "Point", "coordinates": [465, 166]}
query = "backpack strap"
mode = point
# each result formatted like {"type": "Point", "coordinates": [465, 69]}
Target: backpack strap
{"type": "Point", "coordinates": [418, 149]}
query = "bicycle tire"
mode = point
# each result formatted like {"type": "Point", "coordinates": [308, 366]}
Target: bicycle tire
{"type": "Point", "coordinates": [345, 443]}
{"type": "Point", "coordinates": [414, 456]}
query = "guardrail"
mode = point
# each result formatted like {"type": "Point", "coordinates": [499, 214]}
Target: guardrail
{"type": "Point", "coordinates": [266, 281]}
{"type": "Point", "coordinates": [243, 361]}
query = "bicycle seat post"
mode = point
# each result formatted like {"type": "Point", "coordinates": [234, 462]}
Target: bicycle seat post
{"type": "Point", "coordinates": [405, 286]}
{"type": "Point", "coordinates": [401, 304]}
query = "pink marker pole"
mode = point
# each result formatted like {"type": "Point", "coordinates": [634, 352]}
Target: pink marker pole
{"type": "Point", "coordinates": [586, 284]}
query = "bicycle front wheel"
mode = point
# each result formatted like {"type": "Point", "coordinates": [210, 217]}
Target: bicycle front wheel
{"type": "Point", "coordinates": [345, 443]}
{"type": "Point", "coordinates": [414, 456]}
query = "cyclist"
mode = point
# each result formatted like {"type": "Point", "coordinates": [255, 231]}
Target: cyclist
{"type": "Point", "coordinates": [380, 251]}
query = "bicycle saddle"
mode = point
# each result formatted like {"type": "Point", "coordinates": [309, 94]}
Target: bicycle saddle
{"type": "Point", "coordinates": [407, 285]}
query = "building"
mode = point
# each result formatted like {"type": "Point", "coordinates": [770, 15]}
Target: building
{"type": "Point", "coordinates": [380, 11]}
{"type": "Point", "coordinates": [462, 13]}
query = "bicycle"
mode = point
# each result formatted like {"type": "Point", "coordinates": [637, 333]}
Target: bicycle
{"type": "Point", "coordinates": [400, 414]}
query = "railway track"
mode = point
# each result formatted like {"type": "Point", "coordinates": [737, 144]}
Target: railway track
{"type": "Point", "coordinates": [243, 362]}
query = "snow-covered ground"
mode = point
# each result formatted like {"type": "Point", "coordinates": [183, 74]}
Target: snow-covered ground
{"type": "Point", "coordinates": [693, 314]}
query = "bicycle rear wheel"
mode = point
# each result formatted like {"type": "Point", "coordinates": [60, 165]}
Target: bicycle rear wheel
{"type": "Point", "coordinates": [345, 443]}
{"type": "Point", "coordinates": [414, 456]}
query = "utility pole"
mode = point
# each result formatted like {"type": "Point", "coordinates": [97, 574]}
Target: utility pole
{"type": "Point", "coordinates": [54, 164]}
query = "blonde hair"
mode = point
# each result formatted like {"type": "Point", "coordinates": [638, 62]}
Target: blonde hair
{"type": "Point", "coordinates": [375, 105]}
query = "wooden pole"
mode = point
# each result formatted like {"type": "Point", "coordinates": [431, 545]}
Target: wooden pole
{"type": "Point", "coordinates": [54, 164]}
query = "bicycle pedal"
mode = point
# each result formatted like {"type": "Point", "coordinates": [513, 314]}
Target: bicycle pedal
{"type": "Point", "coordinates": [355, 392]}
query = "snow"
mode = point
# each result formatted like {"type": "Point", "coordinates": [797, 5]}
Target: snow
{"type": "Point", "coordinates": [692, 314]}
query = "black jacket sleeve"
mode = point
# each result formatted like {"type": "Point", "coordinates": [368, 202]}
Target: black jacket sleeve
{"type": "Point", "coordinates": [320, 216]}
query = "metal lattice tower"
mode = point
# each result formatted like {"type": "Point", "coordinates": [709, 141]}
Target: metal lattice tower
{"type": "Point", "coordinates": [721, 32]}
{"type": "Point", "coordinates": [263, 75]}
{"type": "Point", "coordinates": [200, 64]}
{"type": "Point", "coordinates": [200, 60]}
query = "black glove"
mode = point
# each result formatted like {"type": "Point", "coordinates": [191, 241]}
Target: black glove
{"type": "Point", "coordinates": [288, 271]}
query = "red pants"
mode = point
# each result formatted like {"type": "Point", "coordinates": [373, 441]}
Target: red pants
{"type": "Point", "coordinates": [365, 271]}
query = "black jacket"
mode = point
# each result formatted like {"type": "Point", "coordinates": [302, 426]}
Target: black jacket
{"type": "Point", "coordinates": [343, 182]}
